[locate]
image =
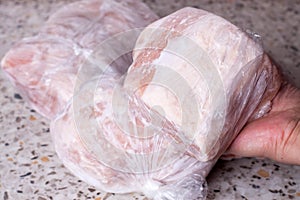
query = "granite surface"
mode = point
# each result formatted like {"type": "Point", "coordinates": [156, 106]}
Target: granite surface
{"type": "Point", "coordinates": [29, 167]}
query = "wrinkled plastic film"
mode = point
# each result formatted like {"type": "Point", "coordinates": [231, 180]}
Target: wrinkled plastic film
{"type": "Point", "coordinates": [143, 167]}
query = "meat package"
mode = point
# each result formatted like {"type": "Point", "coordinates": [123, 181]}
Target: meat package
{"type": "Point", "coordinates": [141, 104]}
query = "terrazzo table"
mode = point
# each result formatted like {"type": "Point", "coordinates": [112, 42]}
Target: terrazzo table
{"type": "Point", "coordinates": [29, 167]}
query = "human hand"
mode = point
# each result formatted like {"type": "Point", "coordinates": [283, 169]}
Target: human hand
{"type": "Point", "coordinates": [276, 135]}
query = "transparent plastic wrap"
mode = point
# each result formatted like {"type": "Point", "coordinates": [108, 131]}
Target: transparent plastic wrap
{"type": "Point", "coordinates": [159, 123]}
{"type": "Point", "coordinates": [194, 82]}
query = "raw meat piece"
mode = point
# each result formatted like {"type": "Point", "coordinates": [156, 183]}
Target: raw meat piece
{"type": "Point", "coordinates": [44, 67]}
{"type": "Point", "coordinates": [195, 81]}
{"type": "Point", "coordinates": [207, 74]}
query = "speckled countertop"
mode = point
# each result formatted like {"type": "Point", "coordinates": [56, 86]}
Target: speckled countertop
{"type": "Point", "coordinates": [29, 167]}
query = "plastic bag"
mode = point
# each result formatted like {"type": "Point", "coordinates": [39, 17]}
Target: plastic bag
{"type": "Point", "coordinates": [160, 126]}
{"type": "Point", "coordinates": [194, 82]}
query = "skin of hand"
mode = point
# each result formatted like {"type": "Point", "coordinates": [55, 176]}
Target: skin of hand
{"type": "Point", "coordinates": [276, 135]}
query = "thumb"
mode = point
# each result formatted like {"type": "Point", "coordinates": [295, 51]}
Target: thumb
{"type": "Point", "coordinates": [276, 136]}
